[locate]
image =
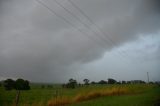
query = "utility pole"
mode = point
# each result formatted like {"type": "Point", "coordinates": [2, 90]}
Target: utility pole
{"type": "Point", "coordinates": [148, 76]}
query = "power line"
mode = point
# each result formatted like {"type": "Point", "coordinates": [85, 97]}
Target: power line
{"type": "Point", "coordinates": [86, 25]}
{"type": "Point", "coordinates": [76, 17]}
{"type": "Point", "coordinates": [91, 21]}
{"type": "Point", "coordinates": [64, 19]}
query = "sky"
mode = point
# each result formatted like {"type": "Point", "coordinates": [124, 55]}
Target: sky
{"type": "Point", "coordinates": [55, 40]}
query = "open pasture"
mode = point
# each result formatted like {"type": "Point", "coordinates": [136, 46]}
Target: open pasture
{"type": "Point", "coordinates": [95, 95]}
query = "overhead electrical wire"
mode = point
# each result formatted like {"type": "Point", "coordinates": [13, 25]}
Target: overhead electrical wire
{"type": "Point", "coordinates": [64, 19]}
{"type": "Point", "coordinates": [86, 25]}
{"type": "Point", "coordinates": [76, 17]}
{"type": "Point", "coordinates": [93, 23]}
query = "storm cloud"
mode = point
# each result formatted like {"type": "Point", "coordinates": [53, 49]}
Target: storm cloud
{"type": "Point", "coordinates": [38, 45]}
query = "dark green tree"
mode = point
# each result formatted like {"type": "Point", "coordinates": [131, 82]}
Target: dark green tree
{"type": "Point", "coordinates": [111, 81]}
{"type": "Point", "coordinates": [9, 84]}
{"type": "Point", "coordinates": [93, 82]}
{"type": "Point", "coordinates": [123, 82]}
{"type": "Point", "coordinates": [72, 83]}
{"type": "Point", "coordinates": [18, 85]}
{"type": "Point", "coordinates": [86, 81]}
{"type": "Point", "coordinates": [21, 84]}
{"type": "Point", "coordinates": [102, 82]}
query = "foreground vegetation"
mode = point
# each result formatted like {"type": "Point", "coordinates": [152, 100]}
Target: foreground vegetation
{"type": "Point", "coordinates": [94, 95]}
{"type": "Point", "coordinates": [150, 97]}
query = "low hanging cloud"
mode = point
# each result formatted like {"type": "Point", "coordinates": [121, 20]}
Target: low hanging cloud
{"type": "Point", "coordinates": [37, 45]}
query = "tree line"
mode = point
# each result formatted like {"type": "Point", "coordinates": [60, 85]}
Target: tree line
{"type": "Point", "coordinates": [72, 83]}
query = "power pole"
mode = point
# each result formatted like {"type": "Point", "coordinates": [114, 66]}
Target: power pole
{"type": "Point", "coordinates": [148, 76]}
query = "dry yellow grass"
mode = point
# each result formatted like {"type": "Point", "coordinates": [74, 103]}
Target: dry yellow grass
{"type": "Point", "coordinates": [61, 101]}
{"type": "Point", "coordinates": [115, 91]}
{"type": "Point", "coordinates": [99, 93]}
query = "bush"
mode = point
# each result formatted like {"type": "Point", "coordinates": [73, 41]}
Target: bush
{"type": "Point", "coordinates": [111, 81]}
{"type": "Point", "coordinates": [102, 82]}
{"type": "Point", "coordinates": [71, 84]}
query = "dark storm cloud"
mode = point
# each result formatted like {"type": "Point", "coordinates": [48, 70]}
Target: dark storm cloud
{"type": "Point", "coordinates": [38, 45]}
{"type": "Point", "coordinates": [143, 20]}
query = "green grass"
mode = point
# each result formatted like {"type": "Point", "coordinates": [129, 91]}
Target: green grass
{"type": "Point", "coordinates": [147, 98]}
{"type": "Point", "coordinates": [144, 95]}
{"type": "Point", "coordinates": [36, 94]}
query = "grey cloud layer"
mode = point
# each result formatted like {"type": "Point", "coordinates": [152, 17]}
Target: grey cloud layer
{"type": "Point", "coordinates": [35, 44]}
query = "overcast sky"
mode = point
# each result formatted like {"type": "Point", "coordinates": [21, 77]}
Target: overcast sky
{"type": "Point", "coordinates": [54, 40]}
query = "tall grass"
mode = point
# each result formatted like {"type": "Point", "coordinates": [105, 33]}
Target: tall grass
{"type": "Point", "coordinates": [61, 101]}
{"type": "Point", "coordinates": [100, 93]}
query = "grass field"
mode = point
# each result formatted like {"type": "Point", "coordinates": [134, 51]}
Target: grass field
{"type": "Point", "coordinates": [93, 95]}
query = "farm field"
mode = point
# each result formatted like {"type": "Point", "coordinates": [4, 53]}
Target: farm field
{"type": "Point", "coordinates": [92, 95]}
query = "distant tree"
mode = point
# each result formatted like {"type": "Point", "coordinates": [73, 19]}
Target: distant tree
{"type": "Point", "coordinates": [71, 84]}
{"type": "Point", "coordinates": [71, 80]}
{"type": "Point", "coordinates": [111, 81]}
{"type": "Point", "coordinates": [128, 82]}
{"type": "Point", "coordinates": [151, 82]}
{"type": "Point", "coordinates": [137, 82]}
{"type": "Point", "coordinates": [79, 84]}
{"type": "Point", "coordinates": [9, 84]}
{"type": "Point", "coordinates": [93, 82]}
{"type": "Point", "coordinates": [157, 83]}
{"type": "Point", "coordinates": [123, 82]}
{"type": "Point", "coordinates": [86, 81]}
{"type": "Point", "coordinates": [119, 82]}
{"type": "Point", "coordinates": [102, 82]}
{"type": "Point", "coordinates": [18, 85]}
{"type": "Point", "coordinates": [21, 84]}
